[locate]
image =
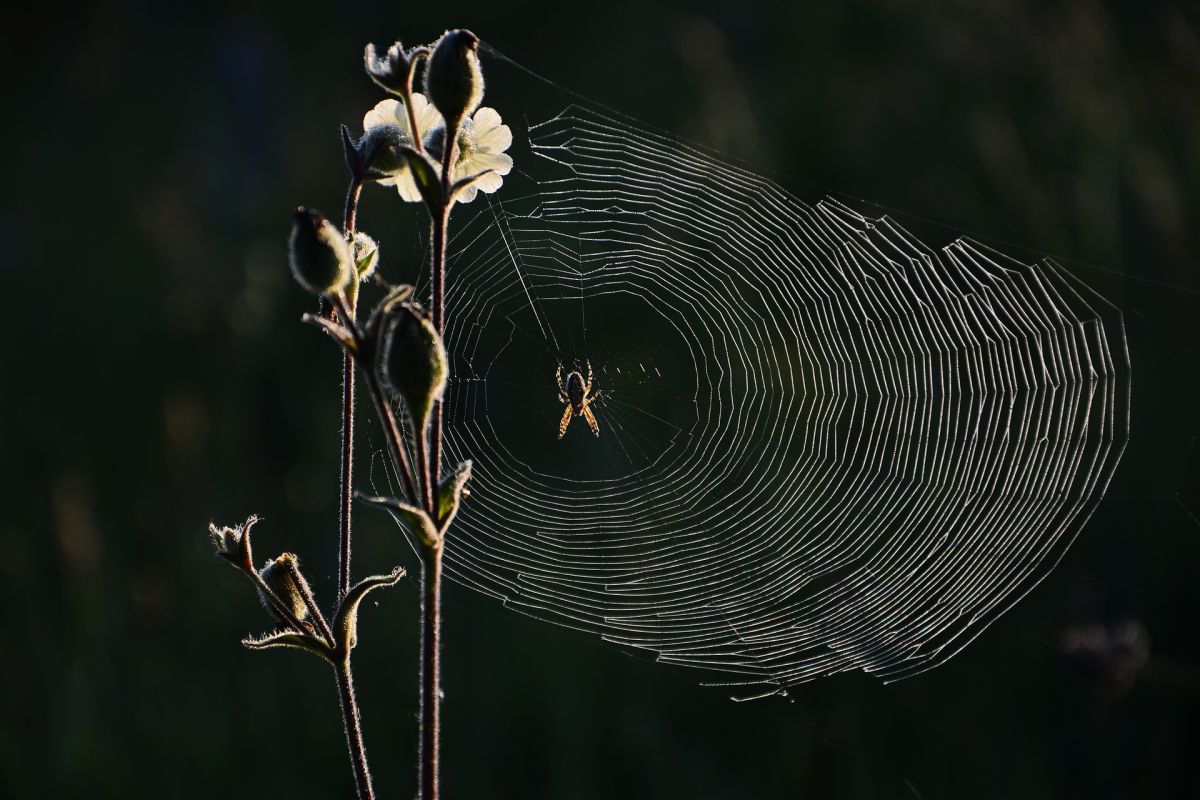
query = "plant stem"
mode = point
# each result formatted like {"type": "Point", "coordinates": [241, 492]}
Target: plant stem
{"type": "Point", "coordinates": [346, 499]}
{"type": "Point", "coordinates": [345, 505]}
{"type": "Point", "coordinates": [392, 430]}
{"type": "Point", "coordinates": [350, 216]}
{"type": "Point", "coordinates": [310, 603]}
{"type": "Point", "coordinates": [354, 738]}
{"type": "Point", "coordinates": [431, 561]}
{"type": "Point", "coordinates": [431, 679]}
{"type": "Point", "coordinates": [440, 221]}
{"type": "Point", "coordinates": [427, 488]}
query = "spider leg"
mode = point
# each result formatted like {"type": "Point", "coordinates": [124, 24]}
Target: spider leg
{"type": "Point", "coordinates": [566, 420]}
{"type": "Point", "coordinates": [591, 420]}
{"type": "Point", "coordinates": [558, 377]}
{"type": "Point", "coordinates": [562, 398]}
{"type": "Point", "coordinates": [589, 380]}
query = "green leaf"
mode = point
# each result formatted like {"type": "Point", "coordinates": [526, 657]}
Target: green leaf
{"type": "Point", "coordinates": [340, 334]}
{"type": "Point", "coordinates": [296, 641]}
{"type": "Point", "coordinates": [450, 492]}
{"type": "Point", "coordinates": [426, 175]}
{"type": "Point", "coordinates": [411, 517]}
{"type": "Point", "coordinates": [463, 183]}
{"type": "Point", "coordinates": [345, 623]}
{"type": "Point", "coordinates": [396, 296]}
{"type": "Point", "coordinates": [350, 151]}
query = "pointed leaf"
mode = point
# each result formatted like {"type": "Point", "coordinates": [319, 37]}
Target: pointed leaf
{"type": "Point", "coordinates": [426, 175]}
{"type": "Point", "coordinates": [298, 641]}
{"type": "Point", "coordinates": [463, 183]}
{"type": "Point", "coordinates": [412, 518]}
{"type": "Point", "coordinates": [345, 624]}
{"type": "Point", "coordinates": [450, 493]}
{"type": "Point", "coordinates": [396, 296]}
{"type": "Point", "coordinates": [350, 150]}
{"type": "Point", "coordinates": [339, 333]}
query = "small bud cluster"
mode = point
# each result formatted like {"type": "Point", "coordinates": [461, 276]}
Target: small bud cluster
{"type": "Point", "coordinates": [287, 597]}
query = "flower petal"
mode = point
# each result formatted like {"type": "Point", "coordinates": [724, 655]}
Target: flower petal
{"type": "Point", "coordinates": [496, 140]}
{"type": "Point", "coordinates": [426, 115]}
{"type": "Point", "coordinates": [500, 163]}
{"type": "Point", "coordinates": [484, 120]}
{"type": "Point", "coordinates": [385, 112]}
{"type": "Point", "coordinates": [406, 185]}
{"type": "Point", "coordinates": [467, 194]}
{"type": "Point", "coordinates": [488, 182]}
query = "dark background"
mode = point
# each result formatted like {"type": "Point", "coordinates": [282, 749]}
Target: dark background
{"type": "Point", "coordinates": [156, 377]}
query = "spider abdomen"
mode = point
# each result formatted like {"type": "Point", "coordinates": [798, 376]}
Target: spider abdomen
{"type": "Point", "coordinates": [576, 389]}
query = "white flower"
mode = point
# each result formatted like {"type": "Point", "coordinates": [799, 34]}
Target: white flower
{"type": "Point", "coordinates": [482, 140]}
{"type": "Point", "coordinates": [481, 145]}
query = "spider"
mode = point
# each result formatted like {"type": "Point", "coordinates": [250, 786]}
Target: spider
{"type": "Point", "coordinates": [578, 395]}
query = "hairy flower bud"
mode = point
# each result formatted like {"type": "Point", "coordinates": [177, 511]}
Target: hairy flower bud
{"type": "Point", "coordinates": [233, 544]}
{"type": "Point", "coordinates": [454, 79]}
{"type": "Point", "coordinates": [412, 360]}
{"type": "Point", "coordinates": [392, 70]}
{"type": "Point", "coordinates": [279, 577]}
{"type": "Point", "coordinates": [318, 253]}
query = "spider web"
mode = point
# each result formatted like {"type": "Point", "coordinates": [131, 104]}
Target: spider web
{"type": "Point", "coordinates": [823, 445]}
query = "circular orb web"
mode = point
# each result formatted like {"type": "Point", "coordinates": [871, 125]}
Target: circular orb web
{"type": "Point", "coordinates": [823, 446]}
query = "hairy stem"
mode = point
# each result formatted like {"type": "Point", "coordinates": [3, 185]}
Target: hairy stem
{"type": "Point", "coordinates": [350, 216]}
{"type": "Point", "coordinates": [431, 679]}
{"type": "Point", "coordinates": [346, 497]}
{"type": "Point", "coordinates": [417, 133]}
{"type": "Point", "coordinates": [440, 221]}
{"type": "Point", "coordinates": [431, 561]}
{"type": "Point", "coordinates": [354, 738]}
{"type": "Point", "coordinates": [310, 603]}
{"type": "Point", "coordinates": [427, 488]}
{"type": "Point", "coordinates": [391, 429]}
{"type": "Point", "coordinates": [345, 500]}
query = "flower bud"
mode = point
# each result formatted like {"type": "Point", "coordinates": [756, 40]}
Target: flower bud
{"type": "Point", "coordinates": [380, 151]}
{"type": "Point", "coordinates": [318, 253]}
{"type": "Point", "coordinates": [233, 544]}
{"type": "Point", "coordinates": [453, 78]}
{"type": "Point", "coordinates": [392, 70]}
{"type": "Point", "coordinates": [279, 575]}
{"type": "Point", "coordinates": [412, 360]}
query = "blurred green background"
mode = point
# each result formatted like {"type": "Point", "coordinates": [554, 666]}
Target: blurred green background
{"type": "Point", "coordinates": [157, 377]}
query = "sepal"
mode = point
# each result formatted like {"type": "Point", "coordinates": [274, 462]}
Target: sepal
{"type": "Point", "coordinates": [345, 623]}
